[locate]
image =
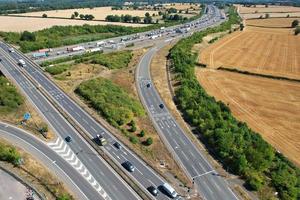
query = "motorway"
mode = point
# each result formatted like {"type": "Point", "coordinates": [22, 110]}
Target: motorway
{"type": "Point", "coordinates": [81, 156]}
{"type": "Point", "coordinates": [49, 158]}
{"type": "Point", "coordinates": [207, 181]}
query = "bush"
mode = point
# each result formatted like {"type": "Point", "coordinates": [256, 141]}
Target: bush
{"type": "Point", "coordinates": [27, 36]}
{"type": "Point", "coordinates": [10, 99]}
{"type": "Point", "coordinates": [9, 154]}
{"type": "Point", "coordinates": [64, 197]}
{"type": "Point", "coordinates": [295, 23]}
{"type": "Point", "coordinates": [58, 69]}
{"type": "Point", "coordinates": [142, 133]}
{"type": "Point", "coordinates": [44, 15]}
{"type": "Point", "coordinates": [115, 60]}
{"type": "Point", "coordinates": [297, 30]}
{"type": "Point", "coordinates": [149, 141]}
{"type": "Point", "coordinates": [133, 139]}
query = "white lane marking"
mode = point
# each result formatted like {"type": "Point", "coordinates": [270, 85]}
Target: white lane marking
{"type": "Point", "coordinates": [139, 171]}
{"type": "Point", "coordinates": [116, 155]}
{"type": "Point", "coordinates": [203, 174]}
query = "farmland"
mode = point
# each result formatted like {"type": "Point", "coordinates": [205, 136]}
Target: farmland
{"type": "Point", "coordinates": [99, 13]}
{"type": "Point", "coordinates": [273, 11]}
{"type": "Point", "coordinates": [270, 107]}
{"type": "Point", "coordinates": [19, 24]}
{"type": "Point", "coordinates": [258, 50]}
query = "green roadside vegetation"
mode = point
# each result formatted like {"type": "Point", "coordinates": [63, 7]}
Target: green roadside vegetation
{"type": "Point", "coordinates": [114, 60]}
{"type": "Point", "coordinates": [57, 69]}
{"type": "Point", "coordinates": [10, 99]}
{"type": "Point", "coordinates": [233, 143]}
{"type": "Point", "coordinates": [111, 101]}
{"type": "Point", "coordinates": [9, 154]}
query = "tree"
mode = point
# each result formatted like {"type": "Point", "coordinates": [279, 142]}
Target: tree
{"type": "Point", "coordinates": [76, 14]}
{"type": "Point", "coordinates": [295, 23]}
{"type": "Point", "coordinates": [72, 16]}
{"type": "Point", "coordinates": [149, 141]}
{"type": "Point", "coordinates": [148, 20]}
{"type": "Point", "coordinates": [127, 18]}
{"type": "Point", "coordinates": [267, 15]}
{"type": "Point", "coordinates": [136, 19]}
{"type": "Point", "coordinates": [297, 30]}
{"type": "Point", "coordinates": [142, 133]}
{"type": "Point", "coordinates": [81, 16]}
{"type": "Point", "coordinates": [28, 36]}
{"type": "Point", "coordinates": [133, 139]}
{"type": "Point", "coordinates": [44, 15]}
{"type": "Point", "coordinates": [160, 13]}
{"type": "Point", "coordinates": [147, 14]}
{"type": "Point", "coordinates": [242, 26]}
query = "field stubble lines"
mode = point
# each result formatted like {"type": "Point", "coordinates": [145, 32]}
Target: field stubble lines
{"type": "Point", "coordinates": [259, 122]}
{"type": "Point", "coordinates": [219, 47]}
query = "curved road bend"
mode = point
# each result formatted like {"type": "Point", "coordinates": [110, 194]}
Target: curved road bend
{"type": "Point", "coordinates": [210, 185]}
{"type": "Point", "coordinates": [108, 184]}
{"type": "Point", "coordinates": [56, 164]}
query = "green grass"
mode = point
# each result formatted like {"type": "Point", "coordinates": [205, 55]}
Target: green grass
{"type": "Point", "coordinates": [58, 69]}
{"type": "Point", "coordinates": [10, 99]}
{"type": "Point", "coordinates": [110, 100]}
{"type": "Point", "coordinates": [115, 60]}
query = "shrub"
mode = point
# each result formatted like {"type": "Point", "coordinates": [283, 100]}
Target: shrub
{"type": "Point", "coordinates": [27, 36]}
{"type": "Point", "coordinates": [58, 69]}
{"type": "Point", "coordinates": [149, 141]}
{"type": "Point", "coordinates": [133, 139]}
{"type": "Point", "coordinates": [297, 30]}
{"type": "Point", "coordinates": [44, 15]}
{"type": "Point", "coordinates": [295, 23]}
{"type": "Point", "coordinates": [9, 154]}
{"type": "Point", "coordinates": [142, 133]}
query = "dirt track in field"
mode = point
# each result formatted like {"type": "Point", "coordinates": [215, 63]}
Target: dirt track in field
{"type": "Point", "coordinates": [269, 107]}
{"type": "Point", "coordinates": [272, 22]}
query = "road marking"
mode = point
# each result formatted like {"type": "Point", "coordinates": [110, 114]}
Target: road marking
{"type": "Point", "coordinates": [203, 174]}
{"type": "Point", "coordinates": [139, 171]}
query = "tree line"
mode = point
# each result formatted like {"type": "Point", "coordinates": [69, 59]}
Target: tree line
{"type": "Point", "coordinates": [129, 18]}
{"type": "Point", "coordinates": [239, 148]}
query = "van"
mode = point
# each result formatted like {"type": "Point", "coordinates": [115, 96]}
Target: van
{"type": "Point", "coordinates": [22, 63]}
{"type": "Point", "coordinates": [169, 190]}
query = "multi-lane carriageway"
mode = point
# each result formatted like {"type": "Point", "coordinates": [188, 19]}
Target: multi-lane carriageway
{"type": "Point", "coordinates": [109, 181]}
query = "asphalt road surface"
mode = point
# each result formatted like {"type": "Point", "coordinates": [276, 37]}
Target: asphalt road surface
{"type": "Point", "coordinates": [58, 166]}
{"type": "Point", "coordinates": [97, 173]}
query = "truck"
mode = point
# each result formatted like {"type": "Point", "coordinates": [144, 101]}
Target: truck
{"type": "Point", "coordinates": [45, 50]}
{"type": "Point", "coordinates": [78, 48]}
{"type": "Point", "coordinates": [102, 141]}
{"type": "Point", "coordinates": [22, 63]}
{"type": "Point", "coordinates": [97, 49]}
{"type": "Point", "coordinates": [101, 43]}
{"type": "Point", "coordinates": [40, 54]}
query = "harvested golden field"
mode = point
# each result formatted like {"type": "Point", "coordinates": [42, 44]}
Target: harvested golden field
{"type": "Point", "coordinates": [277, 23]}
{"type": "Point", "coordinates": [19, 24]}
{"type": "Point", "coordinates": [269, 9]}
{"type": "Point", "coordinates": [183, 6]}
{"type": "Point", "coordinates": [270, 107]}
{"type": "Point", "coordinates": [99, 13]}
{"type": "Point", "coordinates": [259, 50]}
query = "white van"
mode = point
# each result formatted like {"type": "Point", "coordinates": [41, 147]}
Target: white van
{"type": "Point", "coordinates": [22, 63]}
{"type": "Point", "coordinates": [169, 190]}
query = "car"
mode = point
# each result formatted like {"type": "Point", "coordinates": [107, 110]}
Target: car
{"type": "Point", "coordinates": [161, 106]}
{"type": "Point", "coordinates": [129, 166]}
{"type": "Point", "coordinates": [117, 145]}
{"type": "Point", "coordinates": [153, 190]}
{"type": "Point", "coordinates": [68, 139]}
{"type": "Point", "coordinates": [148, 85]}
{"type": "Point", "coordinates": [11, 50]}
{"type": "Point", "coordinates": [0, 59]}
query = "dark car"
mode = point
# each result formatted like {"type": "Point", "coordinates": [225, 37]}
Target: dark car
{"type": "Point", "coordinates": [117, 145]}
{"type": "Point", "coordinates": [127, 165]}
{"type": "Point", "coordinates": [68, 139]}
{"type": "Point", "coordinates": [148, 85]}
{"type": "Point", "coordinates": [0, 59]}
{"type": "Point", "coordinates": [161, 106]}
{"type": "Point", "coordinates": [153, 190]}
